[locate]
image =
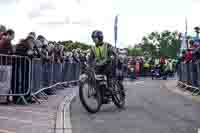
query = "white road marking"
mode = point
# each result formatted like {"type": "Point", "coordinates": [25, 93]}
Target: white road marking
{"type": "Point", "coordinates": [138, 82]}
{"type": "Point", "coordinates": [128, 83]}
{"type": "Point", "coordinates": [63, 121]}
{"type": "Point", "coordinates": [6, 131]}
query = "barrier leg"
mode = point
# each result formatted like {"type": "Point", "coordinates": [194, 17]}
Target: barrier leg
{"type": "Point", "coordinates": [197, 93]}
{"type": "Point", "coordinates": [45, 96]}
{"type": "Point", "coordinates": [35, 98]}
{"type": "Point", "coordinates": [22, 99]}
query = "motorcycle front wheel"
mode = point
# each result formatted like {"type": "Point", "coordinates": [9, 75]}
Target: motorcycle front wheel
{"type": "Point", "coordinates": [86, 91]}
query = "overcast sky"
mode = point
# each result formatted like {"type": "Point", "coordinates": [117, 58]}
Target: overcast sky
{"type": "Point", "coordinates": [75, 19]}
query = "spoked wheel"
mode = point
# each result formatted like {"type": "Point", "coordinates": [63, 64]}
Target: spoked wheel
{"type": "Point", "coordinates": [90, 97]}
{"type": "Point", "coordinates": [118, 95]}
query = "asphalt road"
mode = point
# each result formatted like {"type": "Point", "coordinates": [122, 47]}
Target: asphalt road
{"type": "Point", "coordinates": [32, 118]}
{"type": "Point", "coordinates": [151, 108]}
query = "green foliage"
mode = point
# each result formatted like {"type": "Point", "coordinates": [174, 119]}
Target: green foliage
{"type": "Point", "coordinates": [158, 44]}
{"type": "Point", "coordinates": [135, 52]}
{"type": "Point", "coordinates": [70, 45]}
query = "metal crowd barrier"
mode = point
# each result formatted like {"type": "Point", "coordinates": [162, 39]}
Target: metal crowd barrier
{"type": "Point", "coordinates": [15, 76]}
{"type": "Point", "coordinates": [198, 73]}
{"type": "Point", "coordinates": [189, 76]}
{"type": "Point", "coordinates": [25, 78]}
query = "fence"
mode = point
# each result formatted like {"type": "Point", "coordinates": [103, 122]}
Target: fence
{"type": "Point", "coordinates": [189, 76]}
{"type": "Point", "coordinates": [25, 78]}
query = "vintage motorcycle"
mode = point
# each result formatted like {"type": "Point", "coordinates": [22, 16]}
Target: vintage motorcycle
{"type": "Point", "coordinates": [94, 86]}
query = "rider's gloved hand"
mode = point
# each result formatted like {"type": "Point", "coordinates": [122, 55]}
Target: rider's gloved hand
{"type": "Point", "coordinates": [101, 63]}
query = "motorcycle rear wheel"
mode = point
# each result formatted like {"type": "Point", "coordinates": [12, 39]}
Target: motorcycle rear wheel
{"type": "Point", "coordinates": [118, 97]}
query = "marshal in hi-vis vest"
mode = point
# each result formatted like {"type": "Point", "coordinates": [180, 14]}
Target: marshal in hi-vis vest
{"type": "Point", "coordinates": [101, 52]}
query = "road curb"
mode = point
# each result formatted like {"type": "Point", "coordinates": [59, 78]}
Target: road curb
{"type": "Point", "coordinates": [178, 91]}
{"type": "Point", "coordinates": [63, 121]}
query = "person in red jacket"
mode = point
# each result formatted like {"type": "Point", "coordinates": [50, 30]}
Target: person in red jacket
{"type": "Point", "coordinates": [162, 60]}
{"type": "Point", "coordinates": [5, 42]}
{"type": "Point", "coordinates": [188, 56]}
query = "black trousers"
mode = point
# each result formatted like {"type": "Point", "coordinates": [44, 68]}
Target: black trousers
{"type": "Point", "coordinates": [106, 69]}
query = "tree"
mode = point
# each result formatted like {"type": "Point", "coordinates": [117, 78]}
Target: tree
{"type": "Point", "coordinates": [70, 45]}
{"type": "Point", "coordinates": [157, 44]}
{"type": "Point", "coordinates": [135, 52]}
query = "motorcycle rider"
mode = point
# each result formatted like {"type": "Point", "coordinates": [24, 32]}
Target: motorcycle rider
{"type": "Point", "coordinates": [101, 54]}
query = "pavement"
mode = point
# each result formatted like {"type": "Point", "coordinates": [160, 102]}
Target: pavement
{"type": "Point", "coordinates": [36, 118]}
{"type": "Point", "coordinates": [152, 106]}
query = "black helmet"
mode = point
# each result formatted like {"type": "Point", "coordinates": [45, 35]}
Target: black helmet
{"type": "Point", "coordinates": [97, 34]}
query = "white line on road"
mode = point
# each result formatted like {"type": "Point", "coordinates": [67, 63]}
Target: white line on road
{"type": "Point", "coordinates": [63, 121]}
{"type": "Point", "coordinates": [67, 119]}
{"type": "Point", "coordinates": [138, 82]}
{"type": "Point", "coordinates": [6, 131]}
{"type": "Point", "coordinates": [133, 83]}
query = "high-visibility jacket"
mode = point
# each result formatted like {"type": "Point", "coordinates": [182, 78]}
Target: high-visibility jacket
{"type": "Point", "coordinates": [101, 52]}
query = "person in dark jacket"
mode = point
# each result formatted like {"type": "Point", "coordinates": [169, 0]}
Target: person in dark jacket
{"type": "Point", "coordinates": [6, 49]}
{"type": "Point", "coordinates": [5, 42]}
{"type": "Point", "coordinates": [2, 30]}
{"type": "Point", "coordinates": [21, 69]}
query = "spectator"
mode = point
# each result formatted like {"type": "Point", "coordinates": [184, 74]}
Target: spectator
{"type": "Point", "coordinates": [21, 67]}
{"type": "Point", "coordinates": [196, 55]}
{"type": "Point", "coordinates": [188, 56]}
{"type": "Point", "coordinates": [2, 30]}
{"type": "Point", "coordinates": [25, 47]}
{"type": "Point", "coordinates": [183, 56]}
{"type": "Point", "coordinates": [191, 43]}
{"type": "Point", "coordinates": [33, 44]}
{"type": "Point", "coordinates": [33, 34]}
{"type": "Point", "coordinates": [162, 61]}
{"type": "Point", "coordinates": [42, 45]}
{"type": "Point", "coordinates": [66, 56]}
{"type": "Point", "coordinates": [137, 68]}
{"type": "Point", "coordinates": [5, 42]}
{"type": "Point", "coordinates": [50, 51]}
{"type": "Point", "coordinates": [74, 56]}
{"type": "Point", "coordinates": [71, 57]}
{"type": "Point", "coordinates": [195, 44]}
{"type": "Point", "coordinates": [58, 53]}
{"type": "Point", "coordinates": [83, 57]}
{"type": "Point", "coordinates": [45, 53]}
{"type": "Point", "coordinates": [196, 51]}
{"type": "Point", "coordinates": [40, 41]}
